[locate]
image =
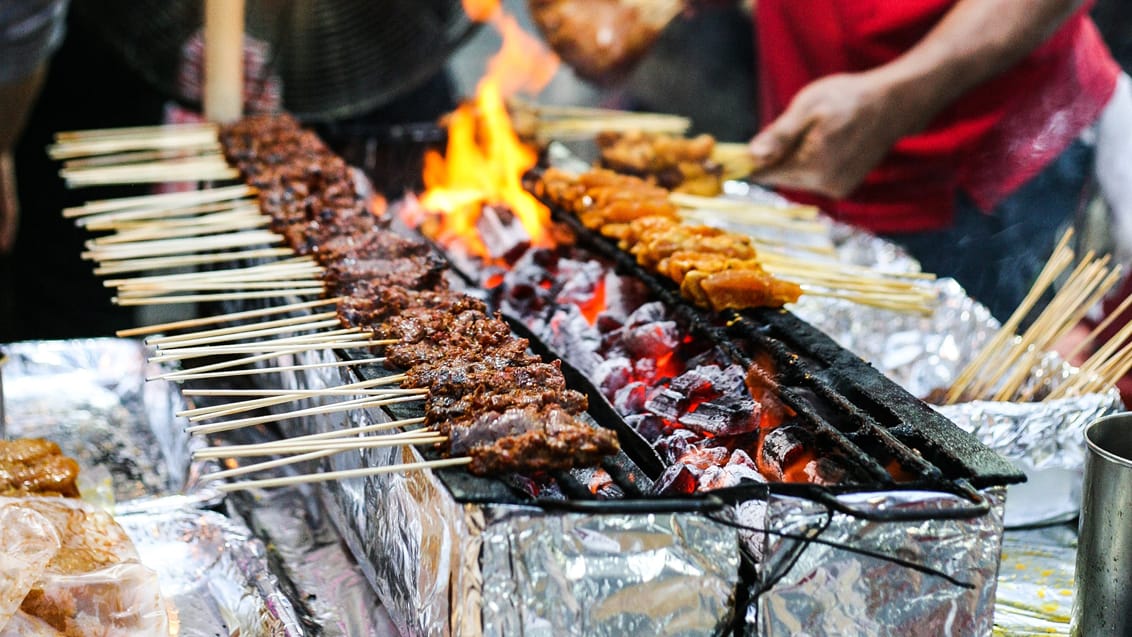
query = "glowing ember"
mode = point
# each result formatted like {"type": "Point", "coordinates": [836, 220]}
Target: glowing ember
{"type": "Point", "coordinates": [484, 161]}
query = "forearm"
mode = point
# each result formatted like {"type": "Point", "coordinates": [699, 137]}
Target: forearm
{"type": "Point", "coordinates": [975, 41]}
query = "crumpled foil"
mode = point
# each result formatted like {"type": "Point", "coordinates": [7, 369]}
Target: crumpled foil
{"type": "Point", "coordinates": [1035, 582]}
{"type": "Point", "coordinates": [213, 572]}
{"type": "Point", "coordinates": [819, 589]}
{"type": "Point", "coordinates": [575, 574]}
{"type": "Point", "coordinates": [91, 397]}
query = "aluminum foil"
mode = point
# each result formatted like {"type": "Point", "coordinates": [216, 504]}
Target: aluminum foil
{"type": "Point", "coordinates": [575, 574]}
{"type": "Point", "coordinates": [825, 589]}
{"type": "Point", "coordinates": [92, 398]}
{"type": "Point", "coordinates": [213, 572]}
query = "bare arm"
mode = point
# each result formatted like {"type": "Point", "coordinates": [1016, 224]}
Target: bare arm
{"type": "Point", "coordinates": [839, 127]}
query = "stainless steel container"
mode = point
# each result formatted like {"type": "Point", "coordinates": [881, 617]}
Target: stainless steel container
{"type": "Point", "coordinates": [1103, 605]}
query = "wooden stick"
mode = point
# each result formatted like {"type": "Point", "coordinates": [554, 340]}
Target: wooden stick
{"type": "Point", "coordinates": [367, 442]}
{"type": "Point", "coordinates": [167, 172]}
{"type": "Point", "coordinates": [265, 349]}
{"type": "Point", "coordinates": [239, 423]}
{"type": "Point", "coordinates": [344, 334]}
{"type": "Point", "coordinates": [295, 321]}
{"type": "Point", "coordinates": [225, 318]}
{"type": "Point", "coordinates": [229, 363]}
{"type": "Point", "coordinates": [108, 145]}
{"type": "Point", "coordinates": [227, 222]}
{"type": "Point", "coordinates": [269, 464]}
{"type": "Point", "coordinates": [137, 156]}
{"type": "Point", "coordinates": [252, 273]}
{"type": "Point", "coordinates": [312, 393]}
{"type": "Point", "coordinates": [342, 475]}
{"type": "Point", "coordinates": [230, 296]}
{"type": "Point", "coordinates": [200, 413]}
{"type": "Point", "coordinates": [724, 205]}
{"type": "Point", "coordinates": [124, 266]}
{"type": "Point", "coordinates": [363, 429]}
{"type": "Point", "coordinates": [153, 290]}
{"type": "Point", "coordinates": [272, 370]}
{"type": "Point", "coordinates": [224, 338]}
{"type": "Point", "coordinates": [136, 131]}
{"type": "Point", "coordinates": [143, 217]}
{"type": "Point", "coordinates": [162, 201]}
{"type": "Point", "coordinates": [161, 247]}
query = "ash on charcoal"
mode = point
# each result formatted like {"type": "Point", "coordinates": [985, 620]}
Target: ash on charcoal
{"type": "Point", "coordinates": [677, 479]}
{"type": "Point", "coordinates": [675, 445]}
{"type": "Point", "coordinates": [699, 459]}
{"type": "Point", "coordinates": [650, 340]}
{"type": "Point", "coordinates": [666, 403]}
{"type": "Point", "coordinates": [739, 467]}
{"type": "Point", "coordinates": [580, 279]}
{"type": "Point", "coordinates": [612, 374]}
{"type": "Point", "coordinates": [783, 446]}
{"type": "Point", "coordinates": [649, 427]}
{"type": "Point", "coordinates": [599, 482]}
{"type": "Point", "coordinates": [573, 338]}
{"type": "Point", "coordinates": [630, 399]}
{"type": "Point", "coordinates": [504, 238]}
{"type": "Point", "coordinates": [708, 400]}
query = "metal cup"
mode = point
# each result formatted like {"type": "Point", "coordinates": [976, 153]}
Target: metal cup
{"type": "Point", "coordinates": [1103, 605]}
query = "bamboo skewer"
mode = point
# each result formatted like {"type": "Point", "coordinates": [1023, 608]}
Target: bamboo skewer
{"type": "Point", "coordinates": [228, 296]}
{"type": "Point", "coordinates": [125, 266]}
{"type": "Point", "coordinates": [266, 349]}
{"type": "Point", "coordinates": [367, 442]}
{"type": "Point", "coordinates": [229, 363]}
{"type": "Point", "coordinates": [171, 140]}
{"type": "Point", "coordinates": [240, 423]}
{"type": "Point", "coordinates": [176, 377]}
{"type": "Point", "coordinates": [165, 201]}
{"type": "Point", "coordinates": [147, 217]}
{"type": "Point", "coordinates": [362, 429]}
{"type": "Point", "coordinates": [345, 474]}
{"type": "Point", "coordinates": [279, 329]}
{"type": "Point", "coordinates": [226, 318]}
{"type": "Point", "coordinates": [269, 464]}
{"type": "Point", "coordinates": [135, 131]}
{"type": "Point", "coordinates": [238, 330]}
{"type": "Point", "coordinates": [287, 396]}
{"type": "Point", "coordinates": [161, 247]}
{"type": "Point", "coordinates": [253, 273]}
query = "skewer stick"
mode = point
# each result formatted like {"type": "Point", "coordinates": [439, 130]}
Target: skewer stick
{"type": "Point", "coordinates": [364, 429]}
{"type": "Point", "coordinates": [272, 370]}
{"type": "Point", "coordinates": [161, 247]}
{"type": "Point", "coordinates": [151, 290]}
{"type": "Point", "coordinates": [342, 475]}
{"type": "Point", "coordinates": [742, 208]}
{"type": "Point", "coordinates": [296, 323]}
{"type": "Point", "coordinates": [173, 140]}
{"type": "Point", "coordinates": [190, 170]}
{"type": "Point", "coordinates": [135, 131]}
{"type": "Point", "coordinates": [135, 217]}
{"type": "Point", "coordinates": [265, 349]}
{"type": "Point", "coordinates": [252, 273]}
{"type": "Point", "coordinates": [229, 363]}
{"type": "Point", "coordinates": [206, 226]}
{"type": "Point", "coordinates": [229, 296]}
{"type": "Point", "coordinates": [124, 266]}
{"type": "Point", "coordinates": [286, 396]}
{"type": "Point", "coordinates": [222, 338]}
{"type": "Point", "coordinates": [225, 318]}
{"type": "Point", "coordinates": [269, 464]}
{"type": "Point", "coordinates": [162, 201]}
{"type": "Point", "coordinates": [348, 444]}
{"type": "Point", "coordinates": [340, 335]}
{"type": "Point", "coordinates": [136, 156]}
{"type": "Point", "coordinates": [240, 423]}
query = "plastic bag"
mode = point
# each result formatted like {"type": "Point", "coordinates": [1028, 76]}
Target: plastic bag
{"type": "Point", "coordinates": [71, 566]}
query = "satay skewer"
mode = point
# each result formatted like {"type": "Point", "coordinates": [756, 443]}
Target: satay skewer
{"type": "Point", "coordinates": [227, 318]}
{"type": "Point", "coordinates": [178, 378]}
{"type": "Point", "coordinates": [237, 330]}
{"type": "Point", "coordinates": [269, 331]}
{"type": "Point", "coordinates": [125, 266]}
{"type": "Point", "coordinates": [343, 475]}
{"type": "Point", "coordinates": [148, 217]}
{"type": "Point", "coordinates": [277, 400]}
{"type": "Point", "coordinates": [225, 296]}
{"type": "Point", "coordinates": [375, 442]}
{"type": "Point", "coordinates": [252, 273]}
{"type": "Point", "coordinates": [179, 246]}
{"type": "Point", "coordinates": [339, 407]}
{"type": "Point", "coordinates": [141, 132]}
{"type": "Point", "coordinates": [161, 202]}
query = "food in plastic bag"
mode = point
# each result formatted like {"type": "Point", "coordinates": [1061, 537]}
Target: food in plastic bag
{"type": "Point", "coordinates": [73, 568]}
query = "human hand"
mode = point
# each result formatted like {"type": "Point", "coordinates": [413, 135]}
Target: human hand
{"type": "Point", "coordinates": [832, 134]}
{"type": "Point", "coordinates": [9, 202]}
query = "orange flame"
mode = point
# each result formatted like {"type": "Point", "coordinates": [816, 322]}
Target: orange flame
{"type": "Point", "coordinates": [484, 161]}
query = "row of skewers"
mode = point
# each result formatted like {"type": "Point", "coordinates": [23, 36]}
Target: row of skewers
{"type": "Point", "coordinates": [488, 404]}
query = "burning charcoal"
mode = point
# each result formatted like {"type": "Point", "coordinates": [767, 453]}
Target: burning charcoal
{"type": "Point", "coordinates": [698, 459]}
{"type": "Point", "coordinates": [647, 313]}
{"type": "Point", "coordinates": [787, 453]}
{"type": "Point", "coordinates": [666, 403]}
{"type": "Point", "coordinates": [581, 281]}
{"type": "Point", "coordinates": [675, 445]}
{"type": "Point", "coordinates": [648, 426]}
{"type": "Point", "coordinates": [743, 467]}
{"type": "Point", "coordinates": [630, 399]}
{"type": "Point", "coordinates": [824, 471]}
{"type": "Point", "coordinates": [600, 483]}
{"type": "Point", "coordinates": [575, 339]}
{"type": "Point", "coordinates": [612, 374]}
{"type": "Point", "coordinates": [651, 340]}
{"type": "Point", "coordinates": [715, 478]}
{"type": "Point", "coordinates": [501, 233]}
{"type": "Point", "coordinates": [677, 479]}
{"type": "Point", "coordinates": [623, 295]}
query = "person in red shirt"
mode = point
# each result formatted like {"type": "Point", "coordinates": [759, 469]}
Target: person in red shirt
{"type": "Point", "coordinates": [956, 128]}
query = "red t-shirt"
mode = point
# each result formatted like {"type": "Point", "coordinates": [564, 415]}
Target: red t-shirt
{"type": "Point", "coordinates": [988, 143]}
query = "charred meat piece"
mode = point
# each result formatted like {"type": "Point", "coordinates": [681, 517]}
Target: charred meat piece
{"type": "Point", "coordinates": [472, 376]}
{"type": "Point", "coordinates": [529, 441]}
{"type": "Point", "coordinates": [408, 272]}
{"type": "Point", "coordinates": [445, 409]}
